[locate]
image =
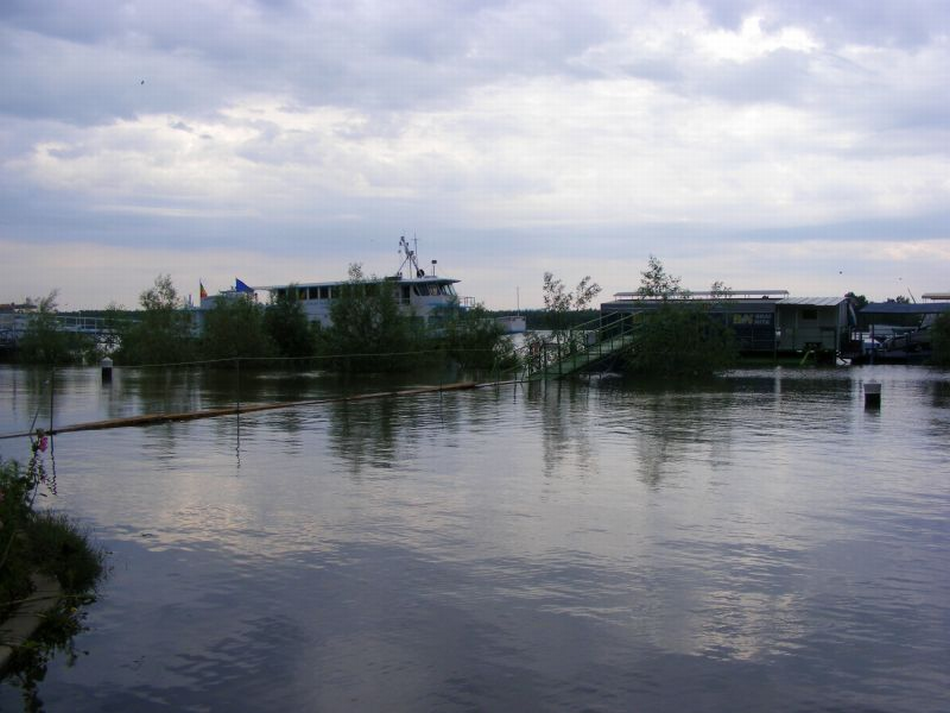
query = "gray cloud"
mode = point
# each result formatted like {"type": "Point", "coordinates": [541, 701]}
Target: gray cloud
{"type": "Point", "coordinates": [527, 126]}
{"type": "Point", "coordinates": [84, 64]}
{"type": "Point", "coordinates": [904, 23]}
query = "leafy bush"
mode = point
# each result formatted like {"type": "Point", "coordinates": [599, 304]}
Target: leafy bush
{"type": "Point", "coordinates": [235, 328]}
{"type": "Point", "coordinates": [33, 541]}
{"type": "Point", "coordinates": [681, 339]}
{"type": "Point", "coordinates": [163, 334]}
{"type": "Point", "coordinates": [369, 332]}
{"type": "Point", "coordinates": [46, 542]}
{"type": "Point", "coordinates": [287, 326]}
{"type": "Point", "coordinates": [560, 304]}
{"type": "Point", "coordinates": [940, 341]}
{"type": "Point", "coordinates": [45, 343]}
{"type": "Point", "coordinates": [473, 339]}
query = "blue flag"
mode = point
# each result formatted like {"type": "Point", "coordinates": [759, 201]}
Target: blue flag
{"type": "Point", "coordinates": [241, 287]}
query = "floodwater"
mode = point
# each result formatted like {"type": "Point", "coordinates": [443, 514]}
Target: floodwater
{"type": "Point", "coordinates": [761, 542]}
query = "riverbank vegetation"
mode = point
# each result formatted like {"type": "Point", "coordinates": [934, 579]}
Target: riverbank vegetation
{"type": "Point", "coordinates": [679, 338]}
{"type": "Point", "coordinates": [940, 341]}
{"type": "Point", "coordinates": [44, 343]}
{"type": "Point", "coordinates": [369, 332]}
{"type": "Point", "coordinates": [41, 542]}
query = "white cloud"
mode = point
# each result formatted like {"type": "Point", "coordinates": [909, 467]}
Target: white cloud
{"type": "Point", "coordinates": [631, 127]}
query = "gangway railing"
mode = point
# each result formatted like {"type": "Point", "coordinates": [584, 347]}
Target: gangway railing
{"type": "Point", "coordinates": [583, 346]}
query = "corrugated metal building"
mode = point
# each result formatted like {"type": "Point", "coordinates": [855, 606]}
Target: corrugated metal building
{"type": "Point", "coordinates": [764, 321]}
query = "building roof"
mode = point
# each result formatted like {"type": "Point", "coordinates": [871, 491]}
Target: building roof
{"type": "Point", "coordinates": [903, 308]}
{"type": "Point", "coordinates": [699, 296]}
{"type": "Point", "coordinates": [763, 296]}
{"type": "Point", "coordinates": [812, 301]}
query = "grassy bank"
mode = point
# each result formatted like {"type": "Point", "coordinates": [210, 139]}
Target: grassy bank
{"type": "Point", "coordinates": [41, 542]}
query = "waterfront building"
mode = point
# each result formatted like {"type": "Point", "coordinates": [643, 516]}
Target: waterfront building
{"type": "Point", "coordinates": [764, 321]}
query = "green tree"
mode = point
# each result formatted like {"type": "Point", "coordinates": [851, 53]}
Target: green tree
{"type": "Point", "coordinates": [681, 337]}
{"type": "Point", "coordinates": [858, 302]}
{"type": "Point", "coordinates": [369, 333]}
{"type": "Point", "coordinates": [681, 340]}
{"type": "Point", "coordinates": [235, 328]}
{"type": "Point", "coordinates": [473, 338]}
{"type": "Point", "coordinates": [288, 327]}
{"type": "Point", "coordinates": [164, 332]}
{"type": "Point", "coordinates": [117, 322]}
{"type": "Point", "coordinates": [657, 283]}
{"type": "Point", "coordinates": [45, 342]}
{"type": "Point", "coordinates": [559, 303]}
{"type": "Point", "coordinates": [940, 340]}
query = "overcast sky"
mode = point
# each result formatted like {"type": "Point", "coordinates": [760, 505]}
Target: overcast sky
{"type": "Point", "coordinates": [798, 145]}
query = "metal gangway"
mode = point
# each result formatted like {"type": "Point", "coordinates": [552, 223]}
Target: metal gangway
{"type": "Point", "coordinates": [584, 347]}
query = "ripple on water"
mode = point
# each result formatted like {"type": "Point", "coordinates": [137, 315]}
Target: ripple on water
{"type": "Point", "coordinates": [758, 543]}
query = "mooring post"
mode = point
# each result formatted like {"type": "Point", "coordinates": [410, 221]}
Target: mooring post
{"type": "Point", "coordinates": [237, 366]}
{"type": "Point", "coordinates": [872, 395]}
{"type": "Point", "coordinates": [106, 366]}
{"type": "Point", "coordinates": [52, 389]}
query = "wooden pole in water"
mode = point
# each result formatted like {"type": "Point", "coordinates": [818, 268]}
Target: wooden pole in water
{"type": "Point", "coordinates": [237, 364]}
{"type": "Point", "coordinates": [52, 388]}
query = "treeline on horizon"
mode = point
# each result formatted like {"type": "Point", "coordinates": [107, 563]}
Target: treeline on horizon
{"type": "Point", "coordinates": [369, 332]}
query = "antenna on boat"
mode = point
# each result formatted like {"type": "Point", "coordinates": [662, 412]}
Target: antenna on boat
{"type": "Point", "coordinates": [410, 257]}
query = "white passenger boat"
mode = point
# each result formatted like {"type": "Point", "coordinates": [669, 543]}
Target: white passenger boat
{"type": "Point", "coordinates": [417, 293]}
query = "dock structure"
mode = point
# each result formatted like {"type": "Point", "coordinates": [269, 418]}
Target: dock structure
{"type": "Point", "coordinates": [765, 322]}
{"type": "Point", "coordinates": [586, 347]}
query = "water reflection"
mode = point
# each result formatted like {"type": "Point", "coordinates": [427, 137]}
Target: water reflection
{"type": "Point", "coordinates": [565, 428]}
{"type": "Point", "coordinates": [757, 543]}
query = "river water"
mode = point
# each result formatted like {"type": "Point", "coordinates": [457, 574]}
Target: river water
{"type": "Point", "coordinates": [761, 542]}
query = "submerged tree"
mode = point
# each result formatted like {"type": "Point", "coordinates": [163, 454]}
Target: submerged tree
{"type": "Point", "coordinates": [287, 325]}
{"type": "Point", "coordinates": [44, 342]}
{"type": "Point", "coordinates": [235, 328]}
{"type": "Point", "coordinates": [681, 337]}
{"type": "Point", "coordinates": [472, 338]}
{"type": "Point", "coordinates": [940, 341]}
{"type": "Point", "coordinates": [163, 334]}
{"type": "Point", "coordinates": [369, 332]}
{"type": "Point", "coordinates": [560, 303]}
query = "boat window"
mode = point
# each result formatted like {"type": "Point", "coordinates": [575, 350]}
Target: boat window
{"type": "Point", "coordinates": [301, 293]}
{"type": "Point", "coordinates": [809, 314]}
{"type": "Point", "coordinates": [324, 293]}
